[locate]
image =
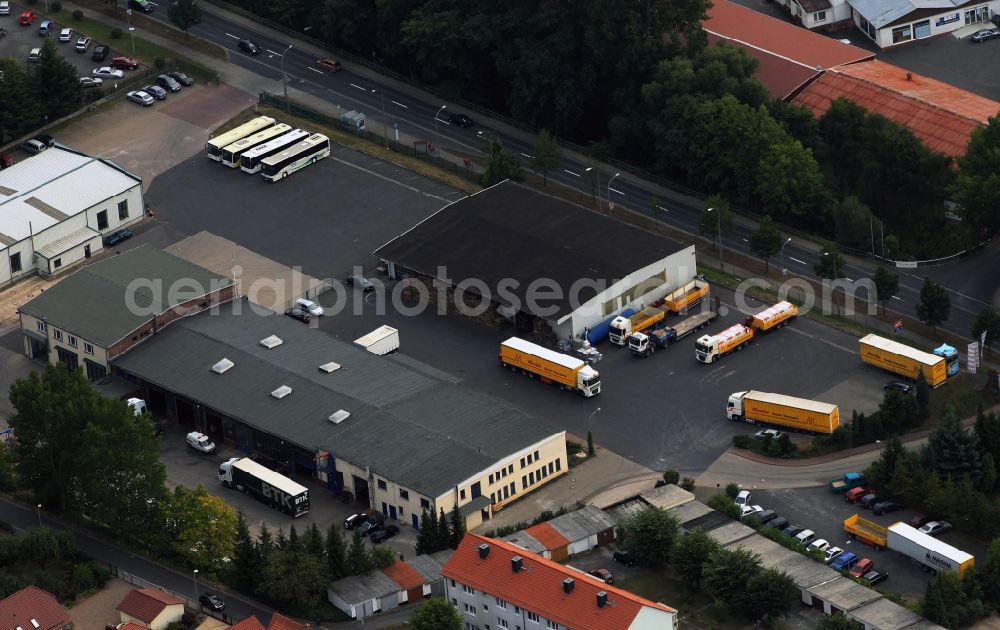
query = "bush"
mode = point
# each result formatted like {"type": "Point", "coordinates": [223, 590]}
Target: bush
{"type": "Point", "coordinates": [160, 63]}
{"type": "Point", "coordinates": [742, 441]}
{"type": "Point", "coordinates": [116, 33]}
{"type": "Point", "coordinates": [78, 15]}
{"type": "Point", "coordinates": [724, 504]}
{"type": "Point", "coordinates": [732, 489]}
{"type": "Point", "coordinates": [55, 6]}
{"type": "Point", "coordinates": [687, 483]}
{"type": "Point", "coordinates": [671, 476]}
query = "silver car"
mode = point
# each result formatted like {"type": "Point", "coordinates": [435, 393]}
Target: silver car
{"type": "Point", "coordinates": [141, 98]}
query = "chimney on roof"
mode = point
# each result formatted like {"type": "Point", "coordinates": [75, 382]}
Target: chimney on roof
{"type": "Point", "coordinates": [484, 550]}
{"type": "Point", "coordinates": [568, 585]}
{"type": "Point", "coordinates": [602, 599]}
{"type": "Point", "coordinates": [909, 76]}
{"type": "Point", "coordinates": [516, 563]}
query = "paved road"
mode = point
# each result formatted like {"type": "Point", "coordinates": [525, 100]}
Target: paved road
{"type": "Point", "coordinates": [416, 114]}
{"type": "Point", "coordinates": [24, 517]}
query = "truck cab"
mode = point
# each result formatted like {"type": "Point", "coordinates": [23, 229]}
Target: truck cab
{"type": "Point", "coordinates": [734, 408]}
{"type": "Point", "coordinates": [588, 381]}
{"type": "Point", "coordinates": [950, 356]}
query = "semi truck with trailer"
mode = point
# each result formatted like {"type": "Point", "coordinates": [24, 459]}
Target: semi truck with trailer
{"type": "Point", "coordinates": [783, 411]}
{"type": "Point", "coordinates": [929, 553]}
{"type": "Point", "coordinates": [903, 360]}
{"type": "Point", "coordinates": [709, 348]}
{"type": "Point", "coordinates": [265, 485]}
{"type": "Point", "coordinates": [550, 367]}
{"type": "Point", "coordinates": [871, 534]}
{"type": "Point", "coordinates": [847, 482]}
{"type": "Point", "coordinates": [653, 317]}
{"type": "Point", "coordinates": [645, 344]}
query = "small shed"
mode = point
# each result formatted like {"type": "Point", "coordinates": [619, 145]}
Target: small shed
{"type": "Point", "coordinates": [567, 535]}
{"type": "Point", "coordinates": [361, 596]}
{"type": "Point", "coordinates": [429, 567]}
{"type": "Point", "coordinates": [151, 608]}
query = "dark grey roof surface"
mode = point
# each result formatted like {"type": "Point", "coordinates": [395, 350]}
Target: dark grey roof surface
{"type": "Point", "coordinates": [510, 231]}
{"type": "Point", "coordinates": [93, 303]}
{"type": "Point", "coordinates": [356, 589]}
{"type": "Point", "coordinates": [423, 432]}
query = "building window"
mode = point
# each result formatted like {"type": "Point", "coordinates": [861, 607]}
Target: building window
{"type": "Point", "coordinates": [57, 334]}
{"type": "Point", "coordinates": [89, 349]}
{"type": "Point", "coordinates": [551, 624]}
{"type": "Point", "coordinates": [123, 209]}
{"type": "Point", "coordinates": [531, 478]}
{"type": "Point", "coordinates": [424, 503]}
{"type": "Point", "coordinates": [381, 484]}
{"type": "Point", "coordinates": [15, 262]}
{"type": "Point", "coordinates": [513, 488]}
{"type": "Point", "coordinates": [522, 462]}
{"type": "Point", "coordinates": [41, 326]}
{"type": "Point", "coordinates": [501, 622]}
{"type": "Point", "coordinates": [552, 468]}
{"type": "Point", "coordinates": [454, 602]}
{"type": "Point", "coordinates": [102, 220]}
{"type": "Point", "coordinates": [493, 498]}
{"type": "Point", "coordinates": [452, 583]}
{"type": "Point", "coordinates": [470, 609]}
{"type": "Point", "coordinates": [468, 589]}
{"type": "Point", "coordinates": [501, 603]}
{"type": "Point", "coordinates": [72, 341]}
{"type": "Point", "coordinates": [531, 616]}
{"type": "Point", "coordinates": [461, 494]}
{"type": "Point", "coordinates": [491, 480]}
{"type": "Point", "coordinates": [558, 465]}
{"type": "Point", "coordinates": [485, 607]}
{"type": "Point", "coordinates": [819, 16]}
{"type": "Point", "coordinates": [536, 456]}
{"type": "Point", "coordinates": [57, 263]}
{"type": "Point", "coordinates": [517, 610]}
{"type": "Point", "coordinates": [404, 494]}
{"type": "Point", "coordinates": [400, 508]}
{"type": "Point", "coordinates": [902, 34]}
{"type": "Point", "coordinates": [524, 482]}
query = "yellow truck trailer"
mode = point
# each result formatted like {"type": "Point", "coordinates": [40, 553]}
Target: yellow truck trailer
{"type": "Point", "coordinates": [773, 316]}
{"type": "Point", "coordinates": [871, 534]}
{"type": "Point", "coordinates": [901, 359]}
{"type": "Point", "coordinates": [784, 411]}
{"type": "Point", "coordinates": [688, 295]}
{"type": "Point", "coordinates": [550, 366]}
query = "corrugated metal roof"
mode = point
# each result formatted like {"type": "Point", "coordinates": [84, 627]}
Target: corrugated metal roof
{"type": "Point", "coordinates": [356, 589]}
{"type": "Point", "coordinates": [884, 12]}
{"type": "Point", "coordinates": [63, 181]}
{"type": "Point", "coordinates": [582, 523]}
{"type": "Point", "coordinates": [58, 246]}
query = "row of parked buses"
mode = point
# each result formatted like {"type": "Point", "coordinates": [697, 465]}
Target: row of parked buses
{"type": "Point", "coordinates": [265, 146]}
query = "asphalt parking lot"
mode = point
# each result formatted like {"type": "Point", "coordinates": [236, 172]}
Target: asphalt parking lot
{"type": "Point", "coordinates": [824, 512]}
{"type": "Point", "coordinates": [21, 39]}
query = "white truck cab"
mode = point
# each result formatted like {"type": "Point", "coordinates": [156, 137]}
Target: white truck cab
{"type": "Point", "coordinates": [588, 381]}
{"type": "Point", "coordinates": [138, 406]}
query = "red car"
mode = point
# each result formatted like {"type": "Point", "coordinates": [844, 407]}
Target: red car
{"type": "Point", "coordinates": [604, 575]}
{"type": "Point", "coordinates": [6, 161]}
{"type": "Point", "coordinates": [124, 63]}
{"type": "Point", "coordinates": [863, 566]}
{"type": "Point", "coordinates": [854, 494]}
{"type": "Point", "coordinates": [27, 18]}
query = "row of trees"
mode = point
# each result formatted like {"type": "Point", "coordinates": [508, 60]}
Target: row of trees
{"type": "Point", "coordinates": [49, 560]}
{"type": "Point", "coordinates": [440, 532]}
{"type": "Point", "coordinates": [47, 90]}
{"type": "Point", "coordinates": [737, 578]}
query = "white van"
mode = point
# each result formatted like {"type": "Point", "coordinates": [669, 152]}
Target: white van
{"type": "Point", "coordinates": [309, 306]}
{"type": "Point", "coordinates": [34, 55]}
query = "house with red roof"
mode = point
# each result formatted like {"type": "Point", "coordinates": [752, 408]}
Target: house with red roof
{"type": "Point", "coordinates": [151, 608]}
{"type": "Point", "coordinates": [568, 534]}
{"type": "Point", "coordinates": [281, 622]}
{"type": "Point", "coordinates": [496, 583]}
{"type": "Point", "coordinates": [32, 608]}
{"type": "Point", "coordinates": [250, 623]}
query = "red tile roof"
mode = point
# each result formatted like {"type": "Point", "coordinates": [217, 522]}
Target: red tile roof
{"type": "Point", "coordinates": [146, 603]}
{"type": "Point", "coordinates": [941, 115]}
{"type": "Point", "coordinates": [131, 625]}
{"type": "Point", "coordinates": [548, 536]}
{"type": "Point", "coordinates": [250, 623]}
{"type": "Point", "coordinates": [780, 38]}
{"type": "Point", "coordinates": [33, 603]}
{"type": "Point", "coordinates": [281, 622]}
{"type": "Point", "coordinates": [404, 575]}
{"type": "Point", "coordinates": [538, 586]}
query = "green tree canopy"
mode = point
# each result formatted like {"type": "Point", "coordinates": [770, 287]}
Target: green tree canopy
{"type": "Point", "coordinates": [547, 154]}
{"type": "Point", "coordinates": [436, 613]}
{"type": "Point", "coordinates": [503, 165]}
{"type": "Point", "coordinates": [934, 305]}
{"type": "Point", "coordinates": [246, 563]}
{"type": "Point", "coordinates": [457, 522]}
{"type": "Point", "coordinates": [185, 14]}
{"type": "Point", "coordinates": [359, 558]}
{"type": "Point", "coordinates": [831, 264]}
{"type": "Point", "coordinates": [336, 555]}
{"type": "Point", "coordinates": [988, 321]}
{"type": "Point", "coordinates": [769, 594]}
{"type": "Point", "coordinates": [727, 573]}
{"type": "Point", "coordinates": [977, 186]}
{"type": "Point", "coordinates": [201, 527]}
{"type": "Point", "coordinates": [649, 534]}
{"type": "Point", "coordinates": [886, 285]}
{"type": "Point", "coordinates": [840, 621]}
{"type": "Point", "coordinates": [952, 450]}
{"type": "Point", "coordinates": [766, 240]}
{"type": "Point", "coordinates": [56, 83]}
{"type": "Point", "coordinates": [689, 556]}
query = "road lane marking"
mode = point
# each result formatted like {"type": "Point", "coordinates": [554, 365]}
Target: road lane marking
{"type": "Point", "coordinates": [662, 208]}
{"type": "Point", "coordinates": [399, 104]}
{"type": "Point", "coordinates": [527, 156]}
{"type": "Point", "coordinates": [801, 262]}
{"type": "Point", "coordinates": [617, 191]}
{"type": "Point", "coordinates": [571, 173]}
{"type": "Point", "coordinates": [897, 298]}
{"type": "Point", "coordinates": [233, 36]}
{"type": "Point", "coordinates": [315, 70]}
{"type": "Point", "coordinates": [355, 85]}
{"type": "Point", "coordinates": [276, 54]}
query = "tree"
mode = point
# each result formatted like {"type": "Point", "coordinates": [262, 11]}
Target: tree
{"type": "Point", "coordinates": [305, 591]}
{"type": "Point", "coordinates": [987, 431]}
{"type": "Point", "coordinates": [988, 321]}
{"type": "Point", "coordinates": [977, 185]}
{"type": "Point", "coordinates": [185, 14]}
{"type": "Point", "coordinates": [881, 471]}
{"type": "Point", "coordinates": [426, 533]}
{"type": "Point", "coordinates": [503, 165]}
{"type": "Point", "coordinates": [671, 476]}
{"type": "Point", "coordinates": [336, 561]}
{"type": "Point", "coordinates": [923, 396]}
{"type": "Point", "coordinates": [242, 571]}
{"type": "Point", "coordinates": [443, 531]}
{"type": "Point", "coordinates": [19, 109]}
{"type": "Point", "coordinates": [383, 557]}
{"type": "Point", "coordinates": [717, 220]}
{"type": "Point", "coordinates": [988, 573]}
{"type": "Point", "coordinates": [313, 544]}
{"type": "Point", "coordinates": [934, 304]}
{"type": "Point", "coordinates": [840, 621]}
{"type": "Point", "coordinates": [790, 183]}
{"type": "Point", "coordinates": [55, 82]}
{"type": "Point", "coordinates": [853, 223]}
{"type": "Point", "coordinates": [886, 285]}
{"type": "Point", "coordinates": [769, 593]}
{"type": "Point", "coordinates": [952, 449]}
{"type": "Point", "coordinates": [359, 560]}
{"type": "Point", "coordinates": [989, 478]}
{"type": "Point", "coordinates": [202, 528]}
{"type": "Point", "coordinates": [831, 264]}
{"type": "Point", "coordinates": [765, 241]}
{"type": "Point", "coordinates": [728, 572]}
{"type": "Point", "coordinates": [649, 535]}
{"type": "Point", "coordinates": [951, 601]}
{"type": "Point", "coordinates": [689, 555]}
{"type": "Point", "coordinates": [457, 527]}
{"type": "Point", "coordinates": [436, 613]}
{"type": "Point", "coordinates": [293, 539]}
{"type": "Point", "coordinates": [547, 154]}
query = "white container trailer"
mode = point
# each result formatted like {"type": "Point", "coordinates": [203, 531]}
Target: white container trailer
{"type": "Point", "coordinates": [931, 554]}
{"type": "Point", "coordinates": [382, 340]}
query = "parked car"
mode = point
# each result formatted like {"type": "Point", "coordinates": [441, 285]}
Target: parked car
{"type": "Point", "coordinates": [181, 78]}
{"type": "Point", "coordinates": [168, 83]}
{"type": "Point", "coordinates": [100, 53]}
{"type": "Point", "coordinates": [143, 5]}
{"type": "Point", "coordinates": [156, 92]}
{"type": "Point", "coordinates": [897, 386]}
{"type": "Point", "coordinates": [361, 282]}
{"type": "Point", "coordinates": [33, 146]}
{"type": "Point", "coordinates": [766, 516]}
{"type": "Point", "coordinates": [6, 161]}
{"type": "Point", "coordinates": [91, 82]}
{"type": "Point", "coordinates": [313, 308]}
{"type": "Point", "coordinates": [27, 18]}
{"type": "Point", "coordinates": [107, 72]}
{"type": "Point", "coordinates": [45, 27]}
{"type": "Point", "coordinates": [460, 120]}
{"type": "Point", "coordinates": [934, 528]}
{"type": "Point", "coordinates": [141, 98]}
{"type": "Point", "coordinates": [124, 63]}
{"type": "Point", "coordinates": [34, 55]}
{"type": "Point", "coordinates": [354, 520]}
{"type": "Point", "coordinates": [985, 34]}
{"type": "Point", "coordinates": [66, 35]}
{"type": "Point", "coordinates": [778, 522]}
{"type": "Point", "coordinates": [211, 600]}
{"type": "Point", "coordinates": [844, 561]}
{"type": "Point", "coordinates": [863, 566]}
{"type": "Point", "coordinates": [117, 237]}
{"type": "Point", "coordinates": [384, 534]}
{"type": "Point", "coordinates": [806, 536]}
{"type": "Point", "coordinates": [742, 498]}
{"type": "Point", "coordinates": [624, 557]}
{"type": "Point", "coordinates": [831, 554]}
{"type": "Point", "coordinates": [46, 139]}
{"type": "Point", "coordinates": [200, 442]}
{"type": "Point", "coordinates": [299, 313]}
{"type": "Point", "coordinates": [820, 544]}
{"type": "Point", "coordinates": [746, 511]}
{"type": "Point", "coordinates": [869, 499]}
{"type": "Point", "coordinates": [920, 520]}
{"type": "Point", "coordinates": [884, 507]}
{"type": "Point", "coordinates": [83, 44]}
{"type": "Point", "coordinates": [855, 494]}
{"type": "Point", "coordinates": [248, 47]}
{"type": "Point", "coordinates": [604, 575]}
{"type": "Point", "coordinates": [792, 530]}
{"type": "Point", "coordinates": [874, 577]}
{"type": "Point", "coordinates": [767, 434]}
{"type": "Point", "coordinates": [4, 7]}
{"type": "Point", "coordinates": [330, 64]}
{"type": "Point", "coordinates": [372, 523]}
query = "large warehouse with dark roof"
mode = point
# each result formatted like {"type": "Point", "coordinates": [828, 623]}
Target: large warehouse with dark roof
{"type": "Point", "coordinates": [548, 264]}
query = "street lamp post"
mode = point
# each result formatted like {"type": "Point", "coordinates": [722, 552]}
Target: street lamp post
{"type": "Point", "coordinates": [593, 186]}
{"type": "Point", "coordinates": [196, 584]}
{"type": "Point", "coordinates": [832, 296]}
{"type": "Point", "coordinates": [609, 191]}
{"type": "Point", "coordinates": [39, 514]}
{"type": "Point", "coordinates": [490, 140]}
{"type": "Point", "coordinates": [437, 136]}
{"type": "Point", "coordinates": [284, 77]}
{"type": "Point", "coordinates": [385, 126]}
{"type": "Point", "coordinates": [781, 255]}
{"type": "Point", "coordinates": [718, 215]}
{"type": "Point", "coordinates": [592, 413]}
